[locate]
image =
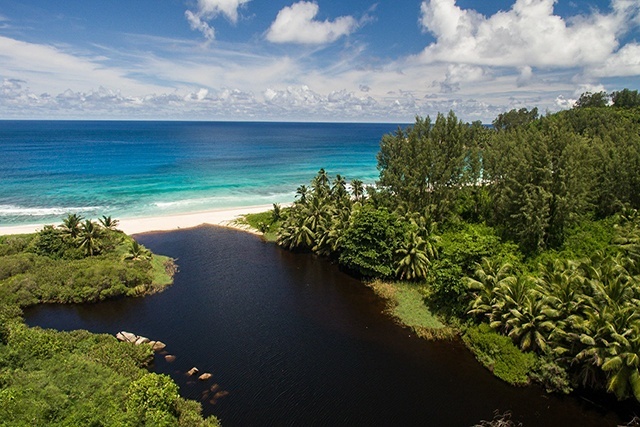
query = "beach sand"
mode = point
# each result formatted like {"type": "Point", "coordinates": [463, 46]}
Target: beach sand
{"type": "Point", "coordinates": [223, 217]}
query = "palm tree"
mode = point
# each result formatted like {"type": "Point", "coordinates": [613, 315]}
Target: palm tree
{"type": "Point", "coordinates": [89, 237]}
{"type": "Point", "coordinates": [320, 184]}
{"type": "Point", "coordinates": [137, 252]}
{"type": "Point", "coordinates": [71, 225]}
{"type": "Point", "coordinates": [530, 323]}
{"type": "Point", "coordinates": [109, 223]}
{"type": "Point", "coordinates": [316, 212]}
{"type": "Point", "coordinates": [339, 189]}
{"type": "Point", "coordinates": [276, 214]}
{"type": "Point", "coordinates": [302, 192]}
{"type": "Point", "coordinates": [296, 234]}
{"type": "Point", "coordinates": [357, 188]}
{"type": "Point", "coordinates": [490, 276]}
{"type": "Point", "coordinates": [560, 284]}
{"type": "Point", "coordinates": [623, 365]}
{"type": "Point", "coordinates": [413, 260]}
{"type": "Point", "coordinates": [509, 295]}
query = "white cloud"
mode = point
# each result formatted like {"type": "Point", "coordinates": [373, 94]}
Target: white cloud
{"type": "Point", "coordinates": [527, 35]}
{"type": "Point", "coordinates": [461, 73]}
{"type": "Point", "coordinates": [296, 24]}
{"type": "Point", "coordinates": [525, 76]}
{"type": "Point", "coordinates": [52, 69]}
{"type": "Point", "coordinates": [625, 62]}
{"type": "Point", "coordinates": [210, 9]}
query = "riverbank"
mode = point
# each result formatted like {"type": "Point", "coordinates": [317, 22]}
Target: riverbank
{"type": "Point", "coordinates": [223, 217]}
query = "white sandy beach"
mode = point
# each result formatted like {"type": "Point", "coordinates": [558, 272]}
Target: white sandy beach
{"type": "Point", "coordinates": [223, 217]}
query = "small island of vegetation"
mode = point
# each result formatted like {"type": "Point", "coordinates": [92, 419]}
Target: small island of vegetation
{"type": "Point", "coordinates": [523, 237]}
{"type": "Point", "coordinates": [51, 378]}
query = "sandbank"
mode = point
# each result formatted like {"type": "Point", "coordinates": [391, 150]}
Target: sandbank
{"type": "Point", "coordinates": [224, 217]}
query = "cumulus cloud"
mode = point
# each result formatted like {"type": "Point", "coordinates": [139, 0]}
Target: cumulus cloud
{"type": "Point", "coordinates": [210, 9]}
{"type": "Point", "coordinates": [527, 35]}
{"type": "Point", "coordinates": [525, 75]}
{"type": "Point", "coordinates": [296, 24]}
{"type": "Point", "coordinates": [625, 62]}
{"type": "Point", "coordinates": [461, 73]}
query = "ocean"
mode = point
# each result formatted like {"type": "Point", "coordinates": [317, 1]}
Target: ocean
{"type": "Point", "coordinates": [129, 169]}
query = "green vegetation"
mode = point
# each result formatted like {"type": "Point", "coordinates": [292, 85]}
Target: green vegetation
{"type": "Point", "coordinates": [267, 223]}
{"type": "Point", "coordinates": [51, 378]}
{"type": "Point", "coordinates": [525, 235]}
{"type": "Point", "coordinates": [405, 302]}
{"type": "Point", "coordinates": [498, 353]}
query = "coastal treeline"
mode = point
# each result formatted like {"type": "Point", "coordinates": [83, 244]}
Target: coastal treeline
{"type": "Point", "coordinates": [76, 378]}
{"type": "Point", "coordinates": [526, 230]}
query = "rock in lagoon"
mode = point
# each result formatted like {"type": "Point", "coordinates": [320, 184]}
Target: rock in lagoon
{"type": "Point", "coordinates": [170, 358]}
{"type": "Point", "coordinates": [158, 346]}
{"type": "Point", "coordinates": [193, 371]}
{"type": "Point", "coordinates": [127, 336]}
{"type": "Point", "coordinates": [139, 339]}
{"type": "Point", "coordinates": [142, 340]}
{"type": "Point", "coordinates": [204, 376]}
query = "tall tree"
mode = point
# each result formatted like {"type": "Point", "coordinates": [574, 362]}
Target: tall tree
{"type": "Point", "coordinates": [424, 165]}
{"type": "Point", "coordinates": [89, 237]}
{"type": "Point", "coordinates": [71, 224]}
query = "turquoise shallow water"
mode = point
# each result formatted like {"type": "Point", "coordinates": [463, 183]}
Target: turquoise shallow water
{"type": "Point", "coordinates": [133, 169]}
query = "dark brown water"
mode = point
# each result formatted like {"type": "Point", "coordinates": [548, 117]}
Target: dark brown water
{"type": "Point", "coordinates": [295, 342]}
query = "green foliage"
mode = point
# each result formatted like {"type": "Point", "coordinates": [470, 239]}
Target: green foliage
{"type": "Point", "coordinates": [553, 377]}
{"type": "Point", "coordinates": [152, 398]}
{"type": "Point", "coordinates": [461, 250]}
{"type": "Point", "coordinates": [592, 100]}
{"type": "Point", "coordinates": [498, 354]}
{"type": "Point", "coordinates": [14, 244]}
{"type": "Point", "coordinates": [54, 268]}
{"type": "Point", "coordinates": [267, 222]}
{"type": "Point", "coordinates": [52, 242]}
{"type": "Point", "coordinates": [625, 98]}
{"type": "Point", "coordinates": [423, 165]}
{"type": "Point", "coordinates": [79, 378]}
{"type": "Point", "coordinates": [370, 242]}
{"type": "Point", "coordinates": [515, 118]}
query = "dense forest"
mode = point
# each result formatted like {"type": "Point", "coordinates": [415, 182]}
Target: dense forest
{"type": "Point", "coordinates": [51, 378]}
{"type": "Point", "coordinates": [524, 235]}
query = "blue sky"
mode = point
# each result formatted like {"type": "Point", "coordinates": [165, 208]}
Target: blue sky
{"type": "Point", "coordinates": [350, 60]}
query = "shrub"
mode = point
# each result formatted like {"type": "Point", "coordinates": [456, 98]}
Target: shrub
{"type": "Point", "coordinates": [499, 354]}
{"type": "Point", "coordinates": [369, 244]}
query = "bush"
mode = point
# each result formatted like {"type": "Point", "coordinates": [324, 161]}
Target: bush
{"type": "Point", "coordinates": [11, 245]}
{"type": "Point", "coordinates": [369, 244]}
{"type": "Point", "coordinates": [553, 377]}
{"type": "Point", "coordinates": [499, 354]}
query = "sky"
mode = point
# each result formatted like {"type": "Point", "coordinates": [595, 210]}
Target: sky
{"type": "Point", "coordinates": [322, 60]}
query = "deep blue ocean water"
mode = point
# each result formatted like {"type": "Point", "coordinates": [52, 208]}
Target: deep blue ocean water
{"type": "Point", "coordinates": [131, 169]}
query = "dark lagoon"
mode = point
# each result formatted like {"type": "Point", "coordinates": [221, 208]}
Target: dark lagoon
{"type": "Point", "coordinates": [295, 342]}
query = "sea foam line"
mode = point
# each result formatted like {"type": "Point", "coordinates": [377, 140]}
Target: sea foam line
{"type": "Point", "coordinates": [13, 210]}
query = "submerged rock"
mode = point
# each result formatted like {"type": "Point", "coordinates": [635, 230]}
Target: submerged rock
{"type": "Point", "coordinates": [170, 358]}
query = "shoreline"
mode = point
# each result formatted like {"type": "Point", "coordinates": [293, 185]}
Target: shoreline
{"type": "Point", "coordinates": [222, 217]}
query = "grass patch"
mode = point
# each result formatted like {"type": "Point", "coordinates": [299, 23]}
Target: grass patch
{"type": "Point", "coordinates": [405, 302]}
{"type": "Point", "coordinates": [163, 269]}
{"type": "Point", "coordinates": [498, 353]}
{"type": "Point", "coordinates": [263, 222]}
